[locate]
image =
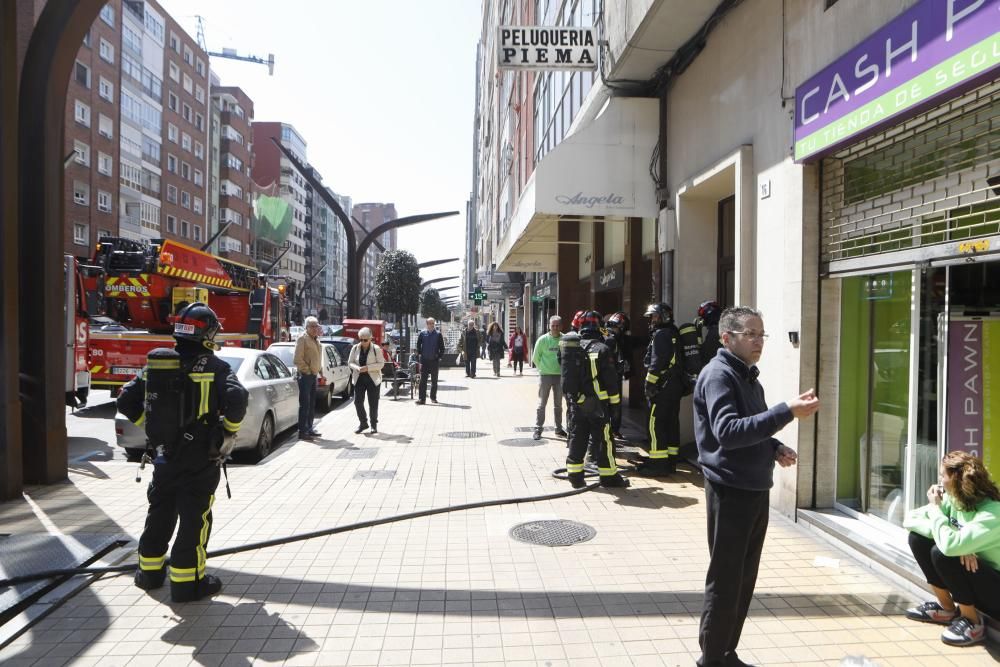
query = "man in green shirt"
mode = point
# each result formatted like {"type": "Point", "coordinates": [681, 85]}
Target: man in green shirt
{"type": "Point", "coordinates": [546, 359]}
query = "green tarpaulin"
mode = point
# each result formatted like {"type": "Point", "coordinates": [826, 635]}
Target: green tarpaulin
{"type": "Point", "coordinates": [272, 218]}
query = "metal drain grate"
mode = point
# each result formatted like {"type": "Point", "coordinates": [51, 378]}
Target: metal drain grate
{"type": "Point", "coordinates": [358, 453]}
{"type": "Point", "coordinates": [375, 474]}
{"type": "Point", "coordinates": [529, 429]}
{"type": "Point", "coordinates": [522, 442]}
{"type": "Point", "coordinates": [464, 435]}
{"type": "Point", "coordinates": [553, 532]}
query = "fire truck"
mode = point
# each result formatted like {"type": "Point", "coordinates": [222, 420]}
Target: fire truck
{"type": "Point", "coordinates": [145, 283]}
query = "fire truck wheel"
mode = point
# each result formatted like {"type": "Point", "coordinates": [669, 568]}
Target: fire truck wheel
{"type": "Point", "coordinates": [265, 440]}
{"type": "Point", "coordinates": [324, 400]}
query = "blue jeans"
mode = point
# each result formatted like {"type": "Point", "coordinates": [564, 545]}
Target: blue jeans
{"type": "Point", "coordinates": [307, 403]}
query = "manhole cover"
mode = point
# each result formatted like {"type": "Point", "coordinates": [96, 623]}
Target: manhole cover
{"type": "Point", "coordinates": [375, 474]}
{"type": "Point", "coordinates": [464, 434]}
{"type": "Point", "coordinates": [366, 453]}
{"type": "Point", "coordinates": [522, 442]}
{"type": "Point", "coordinates": [553, 532]}
{"type": "Point", "coordinates": [529, 429]}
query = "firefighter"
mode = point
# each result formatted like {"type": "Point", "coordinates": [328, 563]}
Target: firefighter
{"type": "Point", "coordinates": [709, 313]}
{"type": "Point", "coordinates": [191, 404]}
{"type": "Point", "coordinates": [665, 384]}
{"type": "Point", "coordinates": [590, 380]}
{"type": "Point", "coordinates": [569, 340]}
{"type": "Point", "coordinates": [617, 340]}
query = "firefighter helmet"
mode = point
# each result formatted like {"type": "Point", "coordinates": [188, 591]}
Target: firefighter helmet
{"type": "Point", "coordinates": [709, 312]}
{"type": "Point", "coordinates": [590, 321]}
{"type": "Point", "coordinates": [577, 318]}
{"type": "Point", "coordinates": [665, 312]}
{"type": "Point", "coordinates": [619, 321]}
{"type": "Point", "coordinates": [197, 323]}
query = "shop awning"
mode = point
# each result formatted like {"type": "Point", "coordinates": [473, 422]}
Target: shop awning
{"type": "Point", "coordinates": [602, 169]}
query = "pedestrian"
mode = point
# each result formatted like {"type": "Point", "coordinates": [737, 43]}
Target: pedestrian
{"type": "Point", "coordinates": [495, 346]}
{"type": "Point", "coordinates": [190, 445]}
{"type": "Point", "coordinates": [546, 359]}
{"type": "Point", "coordinates": [483, 340]}
{"type": "Point", "coordinates": [592, 385]}
{"type": "Point", "coordinates": [468, 347]}
{"type": "Point", "coordinates": [365, 362]}
{"type": "Point", "coordinates": [664, 388]}
{"type": "Point", "coordinates": [308, 361]}
{"type": "Point", "coordinates": [430, 349]}
{"type": "Point", "coordinates": [734, 430]}
{"type": "Point", "coordinates": [518, 345]}
{"type": "Point", "coordinates": [955, 540]}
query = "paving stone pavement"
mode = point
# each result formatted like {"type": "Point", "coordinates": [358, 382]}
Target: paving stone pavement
{"type": "Point", "coordinates": [454, 589]}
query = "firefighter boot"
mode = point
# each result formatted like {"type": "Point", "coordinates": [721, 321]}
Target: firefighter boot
{"type": "Point", "coordinates": [656, 467]}
{"type": "Point", "coordinates": [191, 591]}
{"type": "Point", "coordinates": [149, 580]}
{"type": "Point", "coordinates": [576, 479]}
{"type": "Point", "coordinates": [614, 481]}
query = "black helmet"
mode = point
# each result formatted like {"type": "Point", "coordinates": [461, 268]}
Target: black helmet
{"type": "Point", "coordinates": [590, 321]}
{"type": "Point", "coordinates": [618, 320]}
{"type": "Point", "coordinates": [665, 312]}
{"type": "Point", "coordinates": [709, 312]}
{"type": "Point", "coordinates": [197, 323]}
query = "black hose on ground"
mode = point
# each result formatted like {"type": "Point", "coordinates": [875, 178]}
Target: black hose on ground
{"type": "Point", "coordinates": [117, 569]}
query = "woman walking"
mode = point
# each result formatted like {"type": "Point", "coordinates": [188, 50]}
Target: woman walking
{"type": "Point", "coordinates": [495, 346]}
{"type": "Point", "coordinates": [365, 362]}
{"type": "Point", "coordinates": [955, 540]}
{"type": "Point", "coordinates": [518, 345]}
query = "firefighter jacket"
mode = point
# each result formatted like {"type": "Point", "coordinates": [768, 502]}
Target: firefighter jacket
{"type": "Point", "coordinates": [603, 381]}
{"type": "Point", "coordinates": [661, 356]}
{"type": "Point", "coordinates": [621, 348]}
{"type": "Point", "coordinates": [217, 398]}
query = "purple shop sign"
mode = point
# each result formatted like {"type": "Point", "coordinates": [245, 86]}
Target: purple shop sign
{"type": "Point", "coordinates": [933, 48]}
{"type": "Point", "coordinates": [965, 387]}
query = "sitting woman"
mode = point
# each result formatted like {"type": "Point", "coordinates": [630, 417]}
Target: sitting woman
{"type": "Point", "coordinates": [956, 541]}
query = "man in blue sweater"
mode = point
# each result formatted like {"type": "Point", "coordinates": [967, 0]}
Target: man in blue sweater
{"type": "Point", "coordinates": [430, 349]}
{"type": "Point", "coordinates": [734, 431]}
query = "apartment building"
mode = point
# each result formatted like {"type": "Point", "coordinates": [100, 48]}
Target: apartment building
{"type": "Point", "coordinates": [231, 171]}
{"type": "Point", "coordinates": [370, 215]}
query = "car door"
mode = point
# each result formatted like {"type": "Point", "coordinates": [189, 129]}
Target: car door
{"type": "Point", "coordinates": [333, 369]}
{"type": "Point", "coordinates": [287, 389]}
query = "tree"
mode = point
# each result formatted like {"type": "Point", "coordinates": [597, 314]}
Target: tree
{"type": "Point", "coordinates": [397, 283]}
{"type": "Point", "coordinates": [432, 306]}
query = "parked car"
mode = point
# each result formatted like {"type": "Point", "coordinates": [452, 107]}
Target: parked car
{"type": "Point", "coordinates": [295, 331]}
{"type": "Point", "coordinates": [273, 405]}
{"type": "Point", "coordinates": [342, 343]}
{"type": "Point", "coordinates": [335, 379]}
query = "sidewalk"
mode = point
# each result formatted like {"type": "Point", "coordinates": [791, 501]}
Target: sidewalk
{"type": "Point", "coordinates": [454, 588]}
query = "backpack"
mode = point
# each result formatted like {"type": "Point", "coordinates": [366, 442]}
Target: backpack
{"type": "Point", "coordinates": [688, 346]}
{"type": "Point", "coordinates": [166, 404]}
{"type": "Point", "coordinates": [573, 366]}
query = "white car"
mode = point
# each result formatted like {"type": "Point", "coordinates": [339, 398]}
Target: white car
{"type": "Point", "coordinates": [273, 405]}
{"type": "Point", "coordinates": [334, 379]}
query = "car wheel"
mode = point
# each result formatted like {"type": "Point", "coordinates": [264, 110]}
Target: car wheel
{"type": "Point", "coordinates": [265, 440]}
{"type": "Point", "coordinates": [324, 400]}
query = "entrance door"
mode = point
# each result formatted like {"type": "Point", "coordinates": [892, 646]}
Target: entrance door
{"type": "Point", "coordinates": [726, 253]}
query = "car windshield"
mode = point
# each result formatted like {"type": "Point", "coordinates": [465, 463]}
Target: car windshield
{"type": "Point", "coordinates": [344, 349]}
{"type": "Point", "coordinates": [285, 353]}
{"type": "Point", "coordinates": [234, 362]}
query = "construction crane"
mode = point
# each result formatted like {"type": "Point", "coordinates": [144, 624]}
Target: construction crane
{"type": "Point", "coordinates": [231, 53]}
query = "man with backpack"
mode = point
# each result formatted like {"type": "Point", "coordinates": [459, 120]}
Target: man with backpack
{"type": "Point", "coordinates": [590, 380]}
{"type": "Point", "coordinates": [665, 386]}
{"type": "Point", "coordinates": [192, 405]}
{"type": "Point", "coordinates": [618, 343]}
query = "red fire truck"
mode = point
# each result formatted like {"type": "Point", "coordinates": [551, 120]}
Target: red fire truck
{"type": "Point", "coordinates": [145, 283]}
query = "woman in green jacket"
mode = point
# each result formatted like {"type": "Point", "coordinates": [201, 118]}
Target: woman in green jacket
{"type": "Point", "coordinates": [956, 541]}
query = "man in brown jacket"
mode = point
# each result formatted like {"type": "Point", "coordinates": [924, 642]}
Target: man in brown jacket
{"type": "Point", "coordinates": [308, 360]}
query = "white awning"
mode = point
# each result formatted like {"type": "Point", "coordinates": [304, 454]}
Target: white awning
{"type": "Point", "coordinates": [602, 169]}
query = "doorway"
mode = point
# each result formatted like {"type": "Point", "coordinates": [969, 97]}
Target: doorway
{"type": "Point", "coordinates": [726, 253]}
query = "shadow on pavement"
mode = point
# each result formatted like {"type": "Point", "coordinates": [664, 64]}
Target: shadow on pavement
{"type": "Point", "coordinates": [389, 437]}
{"type": "Point", "coordinates": [327, 443]}
{"type": "Point", "coordinates": [453, 405]}
{"type": "Point", "coordinates": [653, 498]}
{"type": "Point", "coordinates": [99, 411]}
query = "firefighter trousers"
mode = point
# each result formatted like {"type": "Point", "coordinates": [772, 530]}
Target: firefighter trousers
{"type": "Point", "coordinates": [594, 430]}
{"type": "Point", "coordinates": [665, 423]}
{"type": "Point", "coordinates": [181, 492]}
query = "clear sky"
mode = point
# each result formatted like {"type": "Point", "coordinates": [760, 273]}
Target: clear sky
{"type": "Point", "coordinates": [382, 91]}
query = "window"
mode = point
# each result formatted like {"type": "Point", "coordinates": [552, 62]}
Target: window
{"type": "Point", "coordinates": [154, 26]}
{"type": "Point", "coordinates": [175, 72]}
{"type": "Point", "coordinates": [185, 228]}
{"type": "Point", "coordinates": [172, 132]}
{"type": "Point", "coordinates": [81, 234]}
{"type": "Point", "coordinates": [105, 165]}
{"type": "Point", "coordinates": [175, 44]}
{"type": "Point", "coordinates": [107, 51]}
{"type": "Point", "coordinates": [171, 224]}
{"type": "Point", "coordinates": [172, 194]}
{"type": "Point", "coordinates": [234, 162]}
{"type": "Point", "coordinates": [82, 151]}
{"type": "Point", "coordinates": [108, 15]}
{"type": "Point", "coordinates": [199, 66]}
{"type": "Point", "coordinates": [130, 175]}
{"type": "Point", "coordinates": [105, 126]}
{"type": "Point", "coordinates": [188, 55]}
{"type": "Point", "coordinates": [185, 171]}
{"type": "Point", "coordinates": [199, 121]}
{"type": "Point", "coordinates": [150, 150]}
{"type": "Point", "coordinates": [82, 74]}
{"type": "Point", "coordinates": [197, 232]}
{"type": "Point", "coordinates": [188, 84]}
{"type": "Point", "coordinates": [186, 112]}
{"type": "Point", "coordinates": [199, 149]}
{"type": "Point", "coordinates": [199, 94]}
{"type": "Point", "coordinates": [197, 207]}
{"type": "Point", "coordinates": [131, 40]}
{"type": "Point", "coordinates": [186, 141]}
{"type": "Point", "coordinates": [104, 233]}
{"type": "Point", "coordinates": [81, 193]}
{"type": "Point", "coordinates": [106, 90]}
{"type": "Point", "coordinates": [229, 133]}
{"type": "Point", "coordinates": [150, 183]}
{"type": "Point", "coordinates": [104, 201]}
{"type": "Point", "coordinates": [81, 113]}
{"type": "Point", "coordinates": [86, 38]}
{"type": "Point", "coordinates": [171, 163]}
{"type": "Point", "coordinates": [198, 178]}
{"type": "Point", "coordinates": [172, 102]}
{"type": "Point", "coordinates": [185, 199]}
{"type": "Point", "coordinates": [149, 216]}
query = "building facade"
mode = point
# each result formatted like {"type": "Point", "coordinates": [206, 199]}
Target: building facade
{"type": "Point", "coordinates": [231, 171]}
{"type": "Point", "coordinates": [370, 215]}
